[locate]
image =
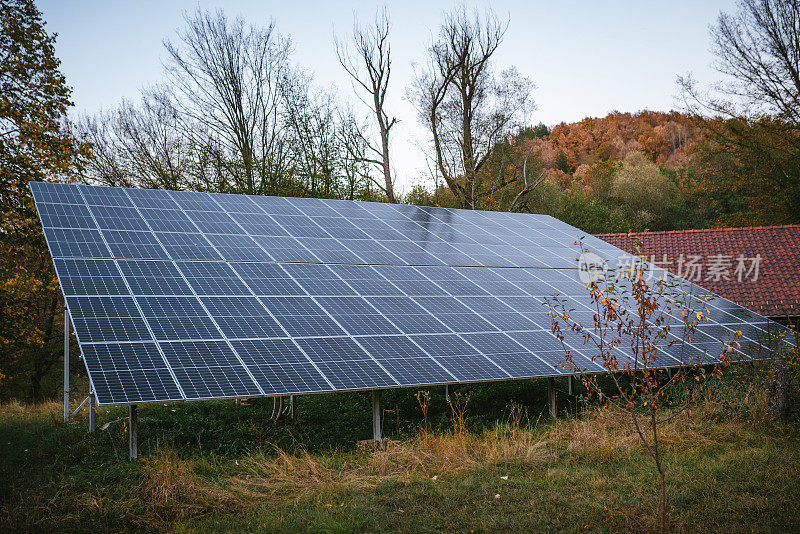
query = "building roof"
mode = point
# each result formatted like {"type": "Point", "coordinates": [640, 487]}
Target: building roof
{"type": "Point", "coordinates": [757, 267]}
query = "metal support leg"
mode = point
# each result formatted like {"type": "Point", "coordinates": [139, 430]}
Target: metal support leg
{"type": "Point", "coordinates": [291, 406]}
{"type": "Point", "coordinates": [569, 384]}
{"type": "Point", "coordinates": [447, 392]}
{"type": "Point", "coordinates": [132, 431]}
{"type": "Point", "coordinates": [91, 414]}
{"type": "Point", "coordinates": [669, 372]}
{"type": "Point", "coordinates": [376, 415]}
{"type": "Point", "coordinates": [551, 396]}
{"type": "Point", "coordinates": [66, 365]}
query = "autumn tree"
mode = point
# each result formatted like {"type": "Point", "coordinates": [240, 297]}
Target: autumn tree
{"type": "Point", "coordinates": [753, 113]}
{"type": "Point", "coordinates": [368, 61]}
{"type": "Point", "coordinates": [464, 103]}
{"type": "Point", "coordinates": [638, 320]}
{"type": "Point", "coordinates": [35, 144]}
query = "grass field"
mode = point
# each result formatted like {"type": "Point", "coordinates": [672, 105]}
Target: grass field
{"type": "Point", "coordinates": [218, 466]}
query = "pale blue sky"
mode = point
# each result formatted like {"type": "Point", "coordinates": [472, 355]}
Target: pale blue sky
{"type": "Point", "coordinates": [587, 58]}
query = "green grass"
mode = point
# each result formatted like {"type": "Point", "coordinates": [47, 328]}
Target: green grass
{"type": "Point", "coordinates": [217, 466]}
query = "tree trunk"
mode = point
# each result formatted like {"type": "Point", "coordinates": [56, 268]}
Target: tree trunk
{"type": "Point", "coordinates": [662, 502]}
{"type": "Point", "coordinates": [778, 391]}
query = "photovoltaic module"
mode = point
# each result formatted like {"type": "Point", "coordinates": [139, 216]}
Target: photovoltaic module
{"type": "Point", "coordinates": [181, 295]}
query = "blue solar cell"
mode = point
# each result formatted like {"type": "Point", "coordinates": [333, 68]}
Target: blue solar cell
{"type": "Point", "coordinates": [238, 248]}
{"type": "Point", "coordinates": [56, 193]}
{"type": "Point", "coordinates": [195, 201]}
{"type": "Point", "coordinates": [177, 318]}
{"type": "Point", "coordinates": [318, 279]}
{"type": "Point", "coordinates": [107, 319]}
{"type": "Point", "coordinates": [329, 250]}
{"type": "Point", "coordinates": [168, 220]}
{"type": "Point", "coordinates": [459, 358]}
{"type": "Point", "coordinates": [548, 348]}
{"type": "Point", "coordinates": [455, 315]}
{"type": "Point", "coordinates": [279, 367]}
{"type": "Point", "coordinates": [129, 373]}
{"type": "Point", "coordinates": [365, 280]}
{"type": "Point", "coordinates": [345, 364]}
{"type": "Point", "coordinates": [267, 279]}
{"type": "Point", "coordinates": [148, 277]}
{"type": "Point", "coordinates": [212, 278]}
{"type": "Point", "coordinates": [356, 316]}
{"type": "Point", "coordinates": [371, 252]}
{"type": "Point", "coordinates": [451, 281]}
{"type": "Point", "coordinates": [213, 222]}
{"type": "Point", "coordinates": [408, 316]}
{"type": "Point", "coordinates": [301, 316]}
{"type": "Point", "coordinates": [410, 281]}
{"type": "Point", "coordinates": [275, 205]}
{"type": "Point", "coordinates": [405, 360]}
{"type": "Point", "coordinates": [340, 228]}
{"type": "Point", "coordinates": [134, 245]}
{"type": "Point", "coordinates": [236, 203]}
{"type": "Point", "coordinates": [510, 355]}
{"type": "Point", "coordinates": [259, 224]}
{"type": "Point", "coordinates": [242, 317]}
{"type": "Point", "coordinates": [180, 246]}
{"type": "Point", "coordinates": [152, 198]}
{"type": "Point", "coordinates": [77, 243]}
{"type": "Point", "coordinates": [65, 216]}
{"type": "Point", "coordinates": [118, 218]}
{"type": "Point", "coordinates": [285, 248]}
{"type": "Point", "coordinates": [208, 369]}
{"type": "Point", "coordinates": [105, 196]}
{"type": "Point", "coordinates": [89, 277]}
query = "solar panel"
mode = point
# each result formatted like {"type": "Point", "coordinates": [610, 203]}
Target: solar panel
{"type": "Point", "coordinates": [182, 295]}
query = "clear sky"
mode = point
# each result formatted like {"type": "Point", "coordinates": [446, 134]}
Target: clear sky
{"type": "Point", "coordinates": [586, 57]}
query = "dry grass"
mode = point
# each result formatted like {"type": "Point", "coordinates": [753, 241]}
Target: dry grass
{"type": "Point", "coordinates": [603, 433]}
{"type": "Point", "coordinates": [425, 454]}
{"type": "Point", "coordinates": [171, 490]}
{"type": "Point", "coordinates": [578, 460]}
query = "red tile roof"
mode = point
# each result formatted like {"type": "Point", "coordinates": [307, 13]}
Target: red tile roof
{"type": "Point", "coordinates": [725, 261]}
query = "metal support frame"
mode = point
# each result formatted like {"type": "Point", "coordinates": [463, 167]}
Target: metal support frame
{"type": "Point", "coordinates": [447, 392]}
{"type": "Point", "coordinates": [376, 415]}
{"type": "Point", "coordinates": [66, 365]}
{"type": "Point", "coordinates": [91, 414]}
{"type": "Point", "coordinates": [80, 406]}
{"type": "Point", "coordinates": [569, 384]}
{"type": "Point", "coordinates": [551, 396]}
{"type": "Point", "coordinates": [132, 422]}
{"type": "Point", "coordinates": [291, 406]}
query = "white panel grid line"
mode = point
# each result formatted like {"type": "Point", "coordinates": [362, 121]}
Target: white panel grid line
{"type": "Point", "coordinates": [451, 296]}
{"type": "Point", "coordinates": [331, 317]}
{"type": "Point", "coordinates": [141, 313]}
{"type": "Point", "coordinates": [202, 305]}
{"type": "Point", "coordinates": [268, 310]}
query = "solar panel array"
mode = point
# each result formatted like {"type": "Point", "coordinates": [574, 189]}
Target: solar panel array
{"type": "Point", "coordinates": [182, 295]}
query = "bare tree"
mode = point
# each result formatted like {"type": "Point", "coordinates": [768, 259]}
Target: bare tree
{"type": "Point", "coordinates": [758, 48]}
{"type": "Point", "coordinates": [753, 114]}
{"type": "Point", "coordinates": [464, 104]}
{"type": "Point", "coordinates": [310, 118]}
{"type": "Point", "coordinates": [228, 78]}
{"type": "Point", "coordinates": [140, 144]}
{"type": "Point", "coordinates": [368, 61]}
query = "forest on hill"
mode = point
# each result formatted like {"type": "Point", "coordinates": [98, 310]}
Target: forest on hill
{"type": "Point", "coordinates": [644, 171]}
